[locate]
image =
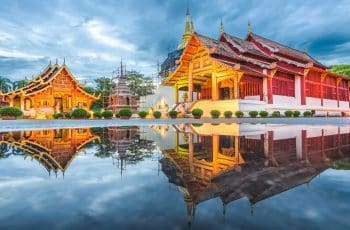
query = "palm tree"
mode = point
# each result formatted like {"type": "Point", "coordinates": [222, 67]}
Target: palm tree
{"type": "Point", "coordinates": [19, 84]}
{"type": "Point", "coordinates": [5, 85]}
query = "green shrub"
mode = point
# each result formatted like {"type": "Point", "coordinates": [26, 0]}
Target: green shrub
{"type": "Point", "coordinates": [197, 113]}
{"type": "Point", "coordinates": [228, 114]}
{"type": "Point", "coordinates": [10, 112]}
{"type": "Point", "coordinates": [97, 115]}
{"type": "Point", "coordinates": [80, 113]}
{"type": "Point", "coordinates": [197, 124]}
{"type": "Point", "coordinates": [239, 114]}
{"type": "Point", "coordinates": [288, 113]}
{"type": "Point", "coordinates": [173, 113]}
{"type": "Point", "coordinates": [143, 114]}
{"type": "Point", "coordinates": [68, 115]}
{"type": "Point", "coordinates": [253, 114]}
{"type": "Point", "coordinates": [125, 113]}
{"type": "Point", "coordinates": [215, 113]}
{"type": "Point", "coordinates": [307, 114]}
{"type": "Point", "coordinates": [263, 113]}
{"type": "Point", "coordinates": [107, 114]}
{"type": "Point", "coordinates": [57, 115]}
{"type": "Point", "coordinates": [296, 113]}
{"type": "Point", "coordinates": [276, 114]}
{"type": "Point", "coordinates": [157, 114]}
{"type": "Point", "coordinates": [117, 114]}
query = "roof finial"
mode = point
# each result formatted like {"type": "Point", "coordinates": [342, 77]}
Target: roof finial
{"type": "Point", "coordinates": [188, 30]}
{"type": "Point", "coordinates": [305, 49]}
{"type": "Point", "coordinates": [64, 61]}
{"type": "Point", "coordinates": [50, 63]}
{"type": "Point", "coordinates": [222, 29]}
{"type": "Point", "coordinates": [249, 27]}
{"type": "Point", "coordinates": [121, 67]}
{"type": "Point", "coordinates": [192, 26]}
{"type": "Point", "coordinates": [56, 61]}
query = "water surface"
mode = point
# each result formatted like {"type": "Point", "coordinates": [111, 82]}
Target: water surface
{"type": "Point", "coordinates": [196, 176]}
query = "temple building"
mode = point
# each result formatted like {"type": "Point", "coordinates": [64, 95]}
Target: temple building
{"type": "Point", "coordinates": [233, 161]}
{"type": "Point", "coordinates": [254, 73]}
{"type": "Point", "coordinates": [121, 97]}
{"type": "Point", "coordinates": [54, 90]}
{"type": "Point", "coordinates": [53, 149]}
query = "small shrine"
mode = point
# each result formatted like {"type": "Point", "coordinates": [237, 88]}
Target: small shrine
{"type": "Point", "coordinates": [121, 97]}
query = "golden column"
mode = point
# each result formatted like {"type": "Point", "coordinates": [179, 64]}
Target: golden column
{"type": "Point", "coordinates": [190, 82]}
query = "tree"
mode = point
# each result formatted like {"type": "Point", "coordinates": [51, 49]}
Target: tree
{"type": "Point", "coordinates": [19, 84]}
{"type": "Point", "coordinates": [139, 84]}
{"type": "Point", "coordinates": [89, 90]}
{"type": "Point", "coordinates": [5, 85]}
{"type": "Point", "coordinates": [343, 69]}
{"type": "Point", "coordinates": [104, 87]}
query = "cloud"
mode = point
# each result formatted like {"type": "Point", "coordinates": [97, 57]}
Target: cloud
{"type": "Point", "coordinates": [99, 31]}
{"type": "Point", "coordinates": [93, 36]}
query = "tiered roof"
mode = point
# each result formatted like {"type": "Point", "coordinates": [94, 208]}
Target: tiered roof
{"type": "Point", "coordinates": [254, 55]}
{"type": "Point", "coordinates": [43, 81]}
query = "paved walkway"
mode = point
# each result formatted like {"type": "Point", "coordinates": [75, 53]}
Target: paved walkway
{"type": "Point", "coordinates": [51, 124]}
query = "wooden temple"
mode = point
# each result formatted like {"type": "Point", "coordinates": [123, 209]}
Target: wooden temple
{"type": "Point", "coordinates": [54, 90]}
{"type": "Point", "coordinates": [54, 149]}
{"type": "Point", "coordinates": [255, 162]}
{"type": "Point", "coordinates": [254, 73]}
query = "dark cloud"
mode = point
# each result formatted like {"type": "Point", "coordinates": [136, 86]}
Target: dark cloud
{"type": "Point", "coordinates": [92, 35]}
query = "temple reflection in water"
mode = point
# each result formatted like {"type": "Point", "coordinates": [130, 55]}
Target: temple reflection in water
{"type": "Point", "coordinates": [54, 149]}
{"type": "Point", "coordinates": [232, 161]}
{"type": "Point", "coordinates": [204, 161]}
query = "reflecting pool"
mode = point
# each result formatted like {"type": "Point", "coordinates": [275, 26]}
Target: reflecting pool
{"type": "Point", "coordinates": [187, 176]}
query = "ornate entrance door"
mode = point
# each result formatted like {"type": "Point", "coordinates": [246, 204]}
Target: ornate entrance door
{"type": "Point", "coordinates": [58, 105]}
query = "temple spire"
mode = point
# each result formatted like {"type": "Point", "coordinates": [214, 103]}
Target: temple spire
{"type": "Point", "coordinates": [249, 27]}
{"type": "Point", "coordinates": [121, 68]}
{"type": "Point", "coordinates": [192, 26]}
{"type": "Point", "coordinates": [222, 28]}
{"type": "Point", "coordinates": [189, 29]}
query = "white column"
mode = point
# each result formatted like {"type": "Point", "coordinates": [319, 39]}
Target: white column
{"type": "Point", "coordinates": [297, 89]}
{"type": "Point", "coordinates": [299, 146]}
{"type": "Point", "coordinates": [265, 93]}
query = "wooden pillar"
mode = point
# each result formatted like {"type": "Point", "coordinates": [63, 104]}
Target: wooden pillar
{"type": "Point", "coordinates": [22, 103]}
{"type": "Point", "coordinates": [302, 90]}
{"type": "Point", "coordinates": [176, 94]}
{"type": "Point", "coordinates": [191, 152]}
{"type": "Point", "coordinates": [304, 143]}
{"type": "Point", "coordinates": [235, 89]}
{"type": "Point", "coordinates": [270, 143]}
{"type": "Point", "coordinates": [214, 87]}
{"type": "Point", "coordinates": [215, 139]}
{"type": "Point", "coordinates": [237, 148]}
{"type": "Point", "coordinates": [190, 82]}
{"type": "Point", "coordinates": [11, 101]}
{"type": "Point", "coordinates": [338, 81]}
{"type": "Point", "coordinates": [269, 90]}
{"type": "Point", "coordinates": [323, 76]}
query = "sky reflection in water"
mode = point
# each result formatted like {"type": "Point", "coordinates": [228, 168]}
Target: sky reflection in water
{"type": "Point", "coordinates": [176, 177]}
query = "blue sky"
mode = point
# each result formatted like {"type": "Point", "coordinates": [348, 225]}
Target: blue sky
{"type": "Point", "coordinates": [93, 35]}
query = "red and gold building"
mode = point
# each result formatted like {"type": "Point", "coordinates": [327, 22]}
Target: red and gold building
{"type": "Point", "coordinates": [55, 90]}
{"type": "Point", "coordinates": [254, 73]}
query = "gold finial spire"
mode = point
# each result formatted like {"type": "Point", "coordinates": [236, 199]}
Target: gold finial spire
{"type": "Point", "coordinates": [222, 29]}
{"type": "Point", "coordinates": [249, 27]}
{"type": "Point", "coordinates": [188, 30]}
{"type": "Point", "coordinates": [305, 49]}
{"type": "Point", "coordinates": [192, 26]}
